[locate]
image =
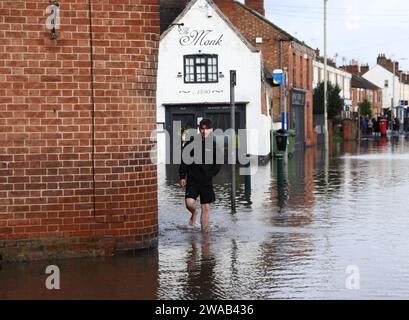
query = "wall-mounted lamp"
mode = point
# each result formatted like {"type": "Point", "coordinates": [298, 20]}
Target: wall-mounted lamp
{"type": "Point", "coordinates": [180, 25]}
{"type": "Point", "coordinates": [53, 19]}
{"type": "Point", "coordinates": [160, 126]}
{"type": "Point", "coordinates": [179, 74]}
{"type": "Point", "coordinates": [221, 75]}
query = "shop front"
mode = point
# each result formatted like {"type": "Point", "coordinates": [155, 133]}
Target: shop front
{"type": "Point", "coordinates": [182, 117]}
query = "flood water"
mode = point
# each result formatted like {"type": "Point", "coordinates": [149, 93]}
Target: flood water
{"type": "Point", "coordinates": [300, 226]}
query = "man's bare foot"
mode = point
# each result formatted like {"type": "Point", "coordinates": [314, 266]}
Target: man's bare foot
{"type": "Point", "coordinates": [192, 220]}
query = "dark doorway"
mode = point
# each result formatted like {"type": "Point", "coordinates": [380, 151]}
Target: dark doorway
{"type": "Point", "coordinates": [190, 116]}
{"type": "Point", "coordinates": [298, 117]}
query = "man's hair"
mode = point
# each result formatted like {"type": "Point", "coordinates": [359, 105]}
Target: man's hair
{"type": "Point", "coordinates": [206, 122]}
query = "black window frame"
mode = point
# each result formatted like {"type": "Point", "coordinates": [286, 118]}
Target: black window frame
{"type": "Point", "coordinates": [206, 65]}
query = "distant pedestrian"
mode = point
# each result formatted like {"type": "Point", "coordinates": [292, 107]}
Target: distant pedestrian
{"type": "Point", "coordinates": [396, 125]}
{"type": "Point", "coordinates": [375, 126]}
{"type": "Point", "coordinates": [366, 125]}
{"type": "Point", "coordinates": [370, 127]}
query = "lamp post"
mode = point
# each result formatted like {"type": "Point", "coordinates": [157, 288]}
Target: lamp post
{"type": "Point", "coordinates": [393, 88]}
{"type": "Point", "coordinates": [233, 83]}
{"type": "Point", "coordinates": [393, 95]}
{"type": "Point", "coordinates": [401, 92]}
{"type": "Point", "coordinates": [326, 138]}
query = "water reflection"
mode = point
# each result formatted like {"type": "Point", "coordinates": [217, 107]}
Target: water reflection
{"type": "Point", "coordinates": [125, 276]}
{"type": "Point", "coordinates": [285, 259]}
{"type": "Point", "coordinates": [292, 183]}
{"type": "Point", "coordinates": [201, 280]}
{"type": "Point", "coordinates": [244, 190]}
{"type": "Point", "coordinates": [299, 224]}
{"type": "Point", "coordinates": [309, 218]}
{"type": "Point", "coordinates": [282, 187]}
{"type": "Point", "coordinates": [383, 142]}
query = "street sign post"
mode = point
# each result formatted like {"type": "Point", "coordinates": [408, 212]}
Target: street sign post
{"type": "Point", "coordinates": [280, 79]}
{"type": "Point", "coordinates": [233, 83]}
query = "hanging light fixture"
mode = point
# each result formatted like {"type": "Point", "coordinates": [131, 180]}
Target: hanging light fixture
{"type": "Point", "coordinates": [54, 11]}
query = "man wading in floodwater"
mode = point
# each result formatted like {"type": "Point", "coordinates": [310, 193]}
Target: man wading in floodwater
{"type": "Point", "coordinates": [198, 175]}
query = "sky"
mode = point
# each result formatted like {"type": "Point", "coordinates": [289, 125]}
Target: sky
{"type": "Point", "coordinates": [357, 29]}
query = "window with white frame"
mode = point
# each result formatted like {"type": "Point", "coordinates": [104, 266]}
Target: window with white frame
{"type": "Point", "coordinates": [347, 87]}
{"type": "Point", "coordinates": [370, 96]}
{"type": "Point", "coordinates": [332, 78]}
{"type": "Point", "coordinates": [315, 77]}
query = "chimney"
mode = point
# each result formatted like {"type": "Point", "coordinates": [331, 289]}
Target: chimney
{"type": "Point", "coordinates": [352, 68]}
{"type": "Point", "coordinates": [381, 59]}
{"type": "Point", "coordinates": [256, 5]}
{"type": "Point", "coordinates": [396, 67]}
{"type": "Point", "coordinates": [364, 68]}
{"type": "Point", "coordinates": [317, 53]}
{"type": "Point", "coordinates": [387, 63]}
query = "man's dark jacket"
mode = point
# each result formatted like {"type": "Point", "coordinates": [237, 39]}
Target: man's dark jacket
{"type": "Point", "coordinates": [201, 174]}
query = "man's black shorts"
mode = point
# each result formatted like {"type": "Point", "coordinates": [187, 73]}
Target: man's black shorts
{"type": "Point", "coordinates": [206, 193]}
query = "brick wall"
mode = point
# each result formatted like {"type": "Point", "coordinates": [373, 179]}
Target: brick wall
{"type": "Point", "coordinates": [374, 96]}
{"type": "Point", "coordinates": [251, 26]}
{"type": "Point", "coordinates": [377, 102]}
{"type": "Point", "coordinates": [263, 94]}
{"type": "Point", "coordinates": [350, 129]}
{"type": "Point", "coordinates": [47, 184]}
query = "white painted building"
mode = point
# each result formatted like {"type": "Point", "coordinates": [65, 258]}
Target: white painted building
{"type": "Point", "coordinates": [196, 54]}
{"type": "Point", "coordinates": [404, 91]}
{"type": "Point", "coordinates": [336, 77]}
{"type": "Point", "coordinates": [383, 78]}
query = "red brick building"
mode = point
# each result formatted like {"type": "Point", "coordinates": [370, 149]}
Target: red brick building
{"type": "Point", "coordinates": [279, 50]}
{"type": "Point", "coordinates": [363, 89]}
{"type": "Point", "coordinates": [76, 176]}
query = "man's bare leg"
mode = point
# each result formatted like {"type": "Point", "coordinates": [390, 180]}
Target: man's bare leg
{"type": "Point", "coordinates": [204, 218]}
{"type": "Point", "coordinates": [191, 206]}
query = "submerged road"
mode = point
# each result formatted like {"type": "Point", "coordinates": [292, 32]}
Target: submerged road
{"type": "Point", "coordinates": [314, 227]}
